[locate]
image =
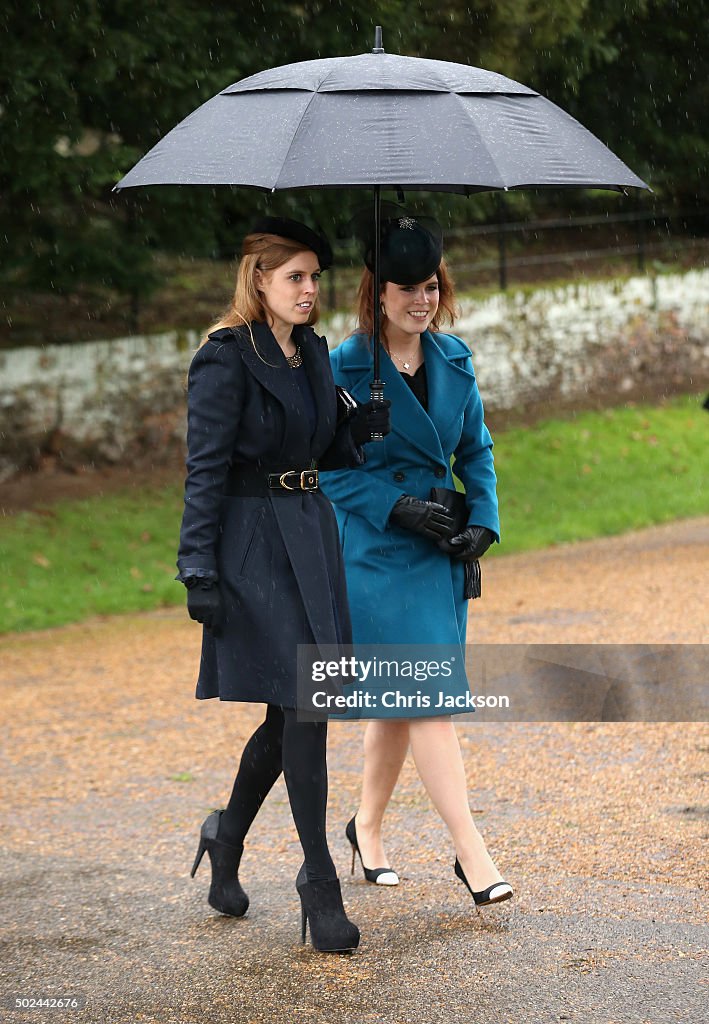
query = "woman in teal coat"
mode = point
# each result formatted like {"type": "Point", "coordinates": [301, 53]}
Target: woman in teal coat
{"type": "Point", "coordinates": [405, 559]}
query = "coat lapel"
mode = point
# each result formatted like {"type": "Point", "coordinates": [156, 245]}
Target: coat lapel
{"type": "Point", "coordinates": [409, 419]}
{"type": "Point", "coordinates": [412, 422]}
{"type": "Point", "coordinates": [317, 363]}
{"type": "Point", "coordinates": [265, 360]}
{"type": "Point", "coordinates": [449, 387]}
{"type": "Point", "coordinates": [357, 364]}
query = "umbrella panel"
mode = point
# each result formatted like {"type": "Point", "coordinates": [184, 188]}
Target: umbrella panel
{"type": "Point", "coordinates": [446, 141]}
{"type": "Point", "coordinates": [380, 72]}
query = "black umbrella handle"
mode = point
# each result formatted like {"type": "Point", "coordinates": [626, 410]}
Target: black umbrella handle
{"type": "Point", "coordinates": [376, 394]}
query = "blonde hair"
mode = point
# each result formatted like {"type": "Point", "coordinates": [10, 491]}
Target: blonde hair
{"type": "Point", "coordinates": [262, 252]}
{"type": "Point", "coordinates": [445, 313]}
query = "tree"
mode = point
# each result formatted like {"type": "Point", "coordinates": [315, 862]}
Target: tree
{"type": "Point", "coordinates": [88, 86]}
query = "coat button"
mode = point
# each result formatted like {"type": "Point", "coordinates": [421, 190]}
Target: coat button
{"type": "Point", "coordinates": [439, 472]}
{"type": "Point", "coordinates": [399, 477]}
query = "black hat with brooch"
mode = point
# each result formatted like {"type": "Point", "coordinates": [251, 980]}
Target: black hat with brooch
{"type": "Point", "coordinates": [411, 247]}
{"type": "Point", "coordinates": [297, 232]}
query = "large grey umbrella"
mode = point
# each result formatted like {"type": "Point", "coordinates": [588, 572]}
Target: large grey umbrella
{"type": "Point", "coordinates": [380, 121]}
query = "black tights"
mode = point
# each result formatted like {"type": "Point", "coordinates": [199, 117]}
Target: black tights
{"type": "Point", "coordinates": [281, 743]}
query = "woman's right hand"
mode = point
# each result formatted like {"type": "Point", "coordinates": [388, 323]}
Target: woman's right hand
{"type": "Point", "coordinates": [205, 605]}
{"type": "Point", "coordinates": [428, 518]}
{"type": "Point", "coordinates": [370, 418]}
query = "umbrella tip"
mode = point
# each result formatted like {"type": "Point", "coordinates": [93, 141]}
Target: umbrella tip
{"type": "Point", "coordinates": [378, 48]}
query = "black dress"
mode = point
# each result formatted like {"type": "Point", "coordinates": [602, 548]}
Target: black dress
{"type": "Point", "coordinates": [418, 384]}
{"type": "Point", "coordinates": [277, 555]}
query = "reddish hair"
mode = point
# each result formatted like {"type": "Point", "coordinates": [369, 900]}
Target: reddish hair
{"type": "Point", "coordinates": [445, 314]}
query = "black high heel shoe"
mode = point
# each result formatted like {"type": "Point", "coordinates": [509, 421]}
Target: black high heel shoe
{"type": "Point", "coordinates": [495, 893]}
{"type": "Point", "coordinates": [331, 931]}
{"type": "Point", "coordinates": [225, 892]}
{"type": "Point", "coordinates": [380, 876]}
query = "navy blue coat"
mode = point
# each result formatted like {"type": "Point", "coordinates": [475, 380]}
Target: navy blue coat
{"type": "Point", "coordinates": [277, 558]}
{"type": "Point", "coordinates": [402, 589]}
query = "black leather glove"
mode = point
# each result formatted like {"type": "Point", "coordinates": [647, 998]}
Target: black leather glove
{"type": "Point", "coordinates": [425, 517]}
{"type": "Point", "coordinates": [469, 545]}
{"type": "Point", "coordinates": [370, 418]}
{"type": "Point", "coordinates": [204, 603]}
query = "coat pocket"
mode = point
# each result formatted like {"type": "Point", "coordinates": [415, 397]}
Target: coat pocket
{"type": "Point", "coordinates": [247, 549]}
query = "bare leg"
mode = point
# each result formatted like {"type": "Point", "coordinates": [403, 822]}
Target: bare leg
{"type": "Point", "coordinates": [385, 744]}
{"type": "Point", "coordinates": [439, 762]}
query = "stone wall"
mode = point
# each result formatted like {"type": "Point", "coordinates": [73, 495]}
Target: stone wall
{"type": "Point", "coordinates": [579, 344]}
{"type": "Point", "coordinates": [94, 402]}
{"type": "Point", "coordinates": [123, 400]}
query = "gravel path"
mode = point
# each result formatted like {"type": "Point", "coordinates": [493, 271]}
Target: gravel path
{"type": "Point", "coordinates": [109, 765]}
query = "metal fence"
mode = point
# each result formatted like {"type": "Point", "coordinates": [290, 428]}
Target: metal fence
{"type": "Point", "coordinates": [640, 234]}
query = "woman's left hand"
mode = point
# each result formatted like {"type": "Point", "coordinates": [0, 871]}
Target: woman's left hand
{"type": "Point", "coordinates": [205, 605]}
{"type": "Point", "coordinates": [469, 545]}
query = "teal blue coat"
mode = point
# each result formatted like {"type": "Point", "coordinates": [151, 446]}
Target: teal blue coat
{"type": "Point", "coordinates": [401, 588]}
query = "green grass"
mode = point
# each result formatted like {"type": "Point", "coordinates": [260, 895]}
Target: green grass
{"type": "Point", "coordinates": [601, 473]}
{"type": "Point", "coordinates": [103, 555]}
{"type": "Point", "coordinates": [587, 476]}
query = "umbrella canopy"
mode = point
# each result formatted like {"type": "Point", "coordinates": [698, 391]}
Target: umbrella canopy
{"type": "Point", "coordinates": [380, 119]}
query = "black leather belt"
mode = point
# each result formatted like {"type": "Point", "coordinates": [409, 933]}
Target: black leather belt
{"type": "Point", "coordinates": [249, 481]}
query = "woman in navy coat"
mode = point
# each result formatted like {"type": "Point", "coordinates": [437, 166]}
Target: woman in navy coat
{"type": "Point", "coordinates": [405, 559]}
{"type": "Point", "coordinates": [259, 548]}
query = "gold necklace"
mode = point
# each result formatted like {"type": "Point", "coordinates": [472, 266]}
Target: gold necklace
{"type": "Point", "coordinates": [296, 359]}
{"type": "Point", "coordinates": [405, 363]}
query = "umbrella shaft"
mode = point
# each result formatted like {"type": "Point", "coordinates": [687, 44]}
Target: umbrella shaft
{"type": "Point", "coordinates": [377, 283]}
{"type": "Point", "coordinates": [376, 390]}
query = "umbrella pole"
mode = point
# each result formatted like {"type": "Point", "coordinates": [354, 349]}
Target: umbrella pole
{"type": "Point", "coordinates": [376, 388]}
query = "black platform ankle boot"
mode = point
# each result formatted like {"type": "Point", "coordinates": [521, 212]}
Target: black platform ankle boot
{"type": "Point", "coordinates": [225, 892]}
{"type": "Point", "coordinates": [321, 904]}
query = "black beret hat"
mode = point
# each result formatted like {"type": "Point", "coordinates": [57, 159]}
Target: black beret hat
{"type": "Point", "coordinates": [297, 232]}
{"type": "Point", "coordinates": [411, 247]}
